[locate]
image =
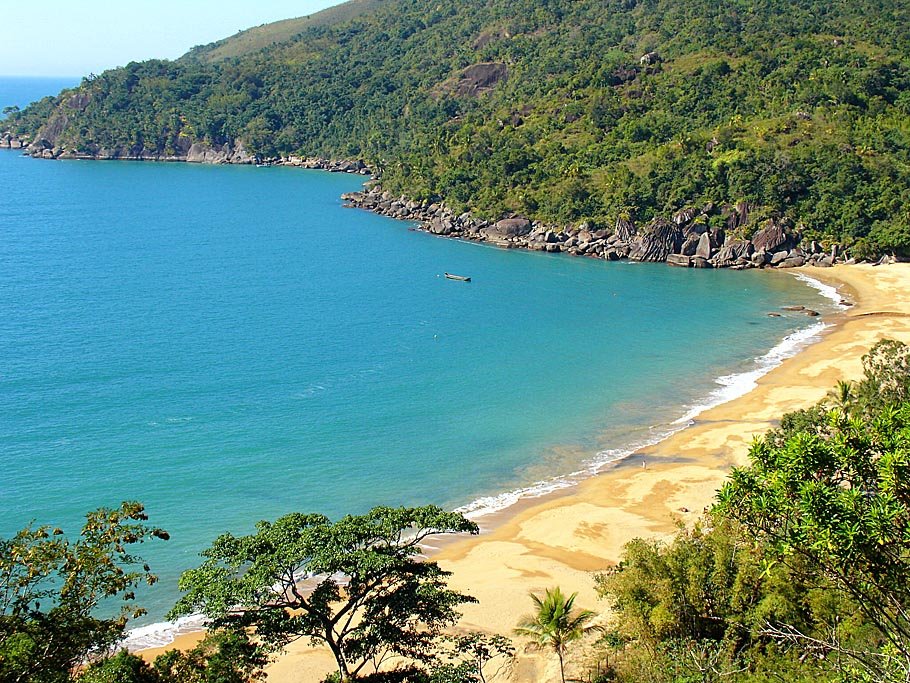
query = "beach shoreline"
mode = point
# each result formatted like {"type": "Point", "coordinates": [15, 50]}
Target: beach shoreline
{"type": "Point", "coordinates": [563, 537]}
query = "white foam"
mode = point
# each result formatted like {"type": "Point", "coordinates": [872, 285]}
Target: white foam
{"type": "Point", "coordinates": [827, 291]}
{"type": "Point", "coordinates": [161, 634]}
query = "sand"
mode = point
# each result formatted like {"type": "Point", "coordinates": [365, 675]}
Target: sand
{"type": "Point", "coordinates": [563, 539]}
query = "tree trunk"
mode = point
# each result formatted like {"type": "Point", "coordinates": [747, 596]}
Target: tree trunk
{"type": "Point", "coordinates": [562, 666]}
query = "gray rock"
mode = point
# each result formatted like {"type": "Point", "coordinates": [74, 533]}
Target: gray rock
{"type": "Point", "coordinates": [773, 238]}
{"type": "Point", "coordinates": [689, 246]}
{"type": "Point", "coordinates": [779, 257]}
{"type": "Point", "coordinates": [793, 262]}
{"type": "Point", "coordinates": [625, 229]}
{"type": "Point", "coordinates": [704, 249]}
{"type": "Point", "coordinates": [684, 216]}
{"type": "Point", "coordinates": [760, 258]}
{"type": "Point", "coordinates": [679, 260]}
{"type": "Point", "coordinates": [658, 241]}
{"type": "Point", "coordinates": [733, 250]}
{"type": "Point", "coordinates": [700, 262]}
{"type": "Point", "coordinates": [507, 228]}
{"type": "Point", "coordinates": [439, 226]}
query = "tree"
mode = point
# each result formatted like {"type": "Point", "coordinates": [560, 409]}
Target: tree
{"type": "Point", "coordinates": [555, 624]}
{"type": "Point", "coordinates": [355, 585]}
{"type": "Point", "coordinates": [480, 649]}
{"type": "Point", "coordinates": [838, 499]}
{"type": "Point", "coordinates": [50, 587]}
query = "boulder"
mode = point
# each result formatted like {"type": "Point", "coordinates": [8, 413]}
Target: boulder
{"type": "Point", "coordinates": [700, 262]}
{"type": "Point", "coordinates": [625, 229]}
{"type": "Point", "coordinates": [773, 238]}
{"type": "Point", "coordinates": [649, 58]}
{"type": "Point", "coordinates": [792, 262]}
{"type": "Point", "coordinates": [685, 216]}
{"type": "Point", "coordinates": [657, 242]}
{"type": "Point", "coordinates": [439, 226]}
{"type": "Point", "coordinates": [760, 258]}
{"type": "Point", "coordinates": [738, 215]}
{"type": "Point", "coordinates": [679, 260]}
{"type": "Point", "coordinates": [779, 257]}
{"type": "Point", "coordinates": [731, 252]}
{"type": "Point", "coordinates": [704, 249]}
{"type": "Point", "coordinates": [507, 228]}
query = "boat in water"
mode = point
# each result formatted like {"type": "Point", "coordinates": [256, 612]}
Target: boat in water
{"type": "Point", "coordinates": [460, 278]}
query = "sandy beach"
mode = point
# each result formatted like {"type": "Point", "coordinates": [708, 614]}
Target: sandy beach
{"type": "Point", "coordinates": [563, 538]}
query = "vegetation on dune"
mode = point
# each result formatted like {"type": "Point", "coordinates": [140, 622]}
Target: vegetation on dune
{"type": "Point", "coordinates": [545, 108]}
{"type": "Point", "coordinates": [555, 624]}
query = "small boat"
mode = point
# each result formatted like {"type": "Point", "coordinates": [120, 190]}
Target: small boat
{"type": "Point", "coordinates": [460, 278]}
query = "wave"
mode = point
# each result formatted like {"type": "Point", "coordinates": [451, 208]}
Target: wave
{"type": "Point", "coordinates": [162, 633]}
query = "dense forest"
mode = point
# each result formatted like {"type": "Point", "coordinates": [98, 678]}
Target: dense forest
{"type": "Point", "coordinates": [563, 112]}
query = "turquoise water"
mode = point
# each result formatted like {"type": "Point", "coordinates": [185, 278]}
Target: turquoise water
{"type": "Point", "coordinates": [228, 344]}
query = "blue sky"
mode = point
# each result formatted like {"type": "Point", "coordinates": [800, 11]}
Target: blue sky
{"type": "Point", "coordinates": [78, 37]}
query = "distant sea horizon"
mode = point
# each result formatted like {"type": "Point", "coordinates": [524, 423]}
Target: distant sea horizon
{"type": "Point", "coordinates": [228, 344]}
{"type": "Point", "coordinates": [20, 91]}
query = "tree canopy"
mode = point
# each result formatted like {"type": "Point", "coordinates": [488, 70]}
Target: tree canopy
{"type": "Point", "coordinates": [51, 587]}
{"type": "Point", "coordinates": [356, 585]}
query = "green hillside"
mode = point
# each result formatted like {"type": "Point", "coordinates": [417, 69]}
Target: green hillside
{"type": "Point", "coordinates": [546, 109]}
{"type": "Point", "coordinates": [260, 37]}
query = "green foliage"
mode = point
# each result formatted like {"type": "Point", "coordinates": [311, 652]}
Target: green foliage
{"type": "Point", "coordinates": [556, 624]}
{"type": "Point", "coordinates": [698, 609]}
{"type": "Point", "coordinates": [367, 597]}
{"type": "Point", "coordinates": [51, 587]}
{"type": "Point", "coordinates": [221, 657]}
{"type": "Point", "coordinates": [123, 667]}
{"type": "Point", "coordinates": [799, 108]}
{"type": "Point", "coordinates": [836, 498]}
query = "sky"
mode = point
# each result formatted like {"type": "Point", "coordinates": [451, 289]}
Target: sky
{"type": "Point", "coordinates": [79, 37]}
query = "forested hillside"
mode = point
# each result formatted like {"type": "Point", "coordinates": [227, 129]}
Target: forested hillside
{"type": "Point", "coordinates": [559, 111]}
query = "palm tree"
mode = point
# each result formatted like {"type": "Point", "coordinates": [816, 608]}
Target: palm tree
{"type": "Point", "coordinates": [554, 624]}
{"type": "Point", "coordinates": [843, 396]}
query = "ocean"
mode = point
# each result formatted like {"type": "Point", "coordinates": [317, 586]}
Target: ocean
{"type": "Point", "coordinates": [228, 344]}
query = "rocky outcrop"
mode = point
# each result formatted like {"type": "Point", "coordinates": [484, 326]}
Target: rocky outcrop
{"type": "Point", "coordinates": [476, 79]}
{"type": "Point", "coordinates": [657, 242]}
{"type": "Point", "coordinates": [773, 238]}
{"type": "Point", "coordinates": [9, 140]}
{"type": "Point", "coordinates": [203, 153]}
{"type": "Point", "coordinates": [734, 252]}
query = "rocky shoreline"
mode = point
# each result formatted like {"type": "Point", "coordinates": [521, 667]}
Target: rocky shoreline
{"type": "Point", "coordinates": [684, 240]}
{"type": "Point", "coordinates": [193, 153]}
{"type": "Point", "coordinates": [690, 238]}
